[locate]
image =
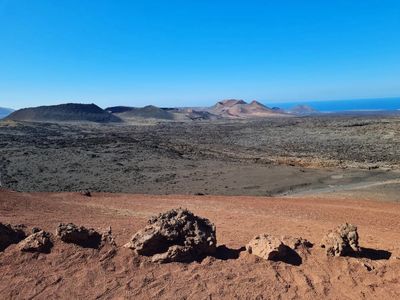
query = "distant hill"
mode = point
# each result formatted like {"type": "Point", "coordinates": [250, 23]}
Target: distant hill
{"type": "Point", "coordinates": [161, 113]}
{"type": "Point", "coordinates": [232, 108]}
{"type": "Point", "coordinates": [118, 109]}
{"type": "Point", "coordinates": [70, 112]}
{"type": "Point", "coordinates": [4, 112]}
{"type": "Point", "coordinates": [302, 109]}
{"type": "Point", "coordinates": [147, 112]}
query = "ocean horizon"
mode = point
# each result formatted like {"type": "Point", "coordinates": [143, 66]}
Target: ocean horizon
{"type": "Point", "coordinates": [326, 106]}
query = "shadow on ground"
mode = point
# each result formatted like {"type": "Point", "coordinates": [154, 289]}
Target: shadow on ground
{"type": "Point", "coordinates": [373, 254]}
{"type": "Point", "coordinates": [226, 253]}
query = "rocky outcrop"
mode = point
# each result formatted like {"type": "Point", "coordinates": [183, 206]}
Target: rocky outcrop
{"type": "Point", "coordinates": [343, 240]}
{"type": "Point", "coordinates": [39, 241]}
{"type": "Point", "coordinates": [79, 235]}
{"type": "Point", "coordinates": [10, 234]}
{"type": "Point", "coordinates": [175, 236]}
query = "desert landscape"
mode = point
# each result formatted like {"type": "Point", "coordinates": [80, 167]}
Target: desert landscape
{"type": "Point", "coordinates": [288, 179]}
{"type": "Point", "coordinates": [113, 271]}
{"type": "Point", "coordinates": [199, 150]}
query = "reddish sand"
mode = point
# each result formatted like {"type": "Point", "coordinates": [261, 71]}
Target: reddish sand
{"type": "Point", "coordinates": [72, 272]}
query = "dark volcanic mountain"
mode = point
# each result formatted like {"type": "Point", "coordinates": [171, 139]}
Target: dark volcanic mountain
{"type": "Point", "coordinates": [4, 112]}
{"type": "Point", "coordinates": [118, 109]}
{"type": "Point", "coordinates": [70, 112]}
{"type": "Point", "coordinates": [147, 112]}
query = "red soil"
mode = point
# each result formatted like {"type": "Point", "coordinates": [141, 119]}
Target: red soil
{"type": "Point", "coordinates": [71, 272]}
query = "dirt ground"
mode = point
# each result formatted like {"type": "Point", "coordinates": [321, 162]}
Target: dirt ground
{"type": "Point", "coordinates": [321, 172]}
{"type": "Point", "coordinates": [71, 272]}
{"type": "Point", "coordinates": [262, 158]}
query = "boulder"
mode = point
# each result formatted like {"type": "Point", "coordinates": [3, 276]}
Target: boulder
{"type": "Point", "coordinates": [11, 235]}
{"type": "Point", "coordinates": [79, 235]}
{"type": "Point", "coordinates": [37, 242]}
{"type": "Point", "coordinates": [175, 236]}
{"type": "Point", "coordinates": [343, 240]}
{"type": "Point", "coordinates": [267, 247]}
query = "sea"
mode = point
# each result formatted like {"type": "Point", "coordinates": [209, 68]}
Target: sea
{"type": "Point", "coordinates": [331, 106]}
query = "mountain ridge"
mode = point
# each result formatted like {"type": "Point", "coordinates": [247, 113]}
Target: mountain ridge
{"type": "Point", "coordinates": [69, 112]}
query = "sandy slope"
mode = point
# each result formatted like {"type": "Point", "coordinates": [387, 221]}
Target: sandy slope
{"type": "Point", "coordinates": [72, 272]}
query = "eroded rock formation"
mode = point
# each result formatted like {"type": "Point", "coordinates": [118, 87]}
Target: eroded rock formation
{"type": "Point", "coordinates": [343, 240]}
{"type": "Point", "coordinates": [175, 236]}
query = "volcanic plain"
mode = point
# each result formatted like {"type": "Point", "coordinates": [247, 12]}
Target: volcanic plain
{"type": "Point", "coordinates": [297, 176]}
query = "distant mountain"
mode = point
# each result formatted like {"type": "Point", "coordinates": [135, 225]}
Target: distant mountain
{"type": "Point", "coordinates": [302, 109]}
{"type": "Point", "coordinates": [70, 112]}
{"type": "Point", "coordinates": [118, 109]}
{"type": "Point", "coordinates": [225, 109]}
{"type": "Point", "coordinates": [4, 112]}
{"type": "Point", "coordinates": [196, 114]}
{"type": "Point", "coordinates": [234, 109]}
{"type": "Point", "coordinates": [147, 112]}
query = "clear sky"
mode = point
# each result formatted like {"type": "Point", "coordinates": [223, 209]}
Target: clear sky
{"type": "Point", "coordinates": [185, 53]}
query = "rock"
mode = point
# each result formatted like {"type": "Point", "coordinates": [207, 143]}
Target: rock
{"type": "Point", "coordinates": [70, 233]}
{"type": "Point", "coordinates": [37, 242]}
{"type": "Point", "coordinates": [342, 240]}
{"type": "Point", "coordinates": [86, 193]}
{"type": "Point", "coordinates": [11, 235]}
{"type": "Point", "coordinates": [175, 236]}
{"type": "Point", "coordinates": [36, 229]}
{"type": "Point", "coordinates": [107, 237]}
{"type": "Point", "coordinates": [267, 247]}
{"type": "Point", "coordinates": [296, 243]}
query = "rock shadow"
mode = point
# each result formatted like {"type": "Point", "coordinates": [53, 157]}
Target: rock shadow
{"type": "Point", "coordinates": [291, 257]}
{"type": "Point", "coordinates": [93, 242]}
{"type": "Point", "coordinates": [373, 254]}
{"type": "Point", "coordinates": [225, 253]}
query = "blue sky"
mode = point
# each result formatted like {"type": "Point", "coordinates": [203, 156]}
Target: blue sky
{"type": "Point", "coordinates": [184, 53]}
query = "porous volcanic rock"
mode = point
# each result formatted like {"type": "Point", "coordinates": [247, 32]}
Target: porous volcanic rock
{"type": "Point", "coordinates": [37, 242]}
{"type": "Point", "coordinates": [79, 235]}
{"type": "Point", "coordinates": [175, 236]}
{"type": "Point", "coordinates": [267, 247]}
{"type": "Point", "coordinates": [342, 240]}
{"type": "Point", "coordinates": [296, 243]}
{"type": "Point", "coordinates": [10, 234]}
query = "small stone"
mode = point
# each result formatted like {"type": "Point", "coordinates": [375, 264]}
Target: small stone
{"type": "Point", "coordinates": [79, 235]}
{"type": "Point", "coordinates": [37, 242]}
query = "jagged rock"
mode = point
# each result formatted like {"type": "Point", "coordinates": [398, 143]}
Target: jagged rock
{"type": "Point", "coordinates": [107, 238]}
{"type": "Point", "coordinates": [37, 242]}
{"type": "Point", "coordinates": [85, 237]}
{"type": "Point", "coordinates": [11, 235]}
{"type": "Point", "coordinates": [296, 243]}
{"type": "Point", "coordinates": [267, 247]}
{"type": "Point", "coordinates": [342, 240]}
{"type": "Point", "coordinates": [175, 236]}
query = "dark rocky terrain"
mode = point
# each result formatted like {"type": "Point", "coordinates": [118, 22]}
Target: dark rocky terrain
{"type": "Point", "coordinates": [242, 157]}
{"type": "Point", "coordinates": [64, 113]}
